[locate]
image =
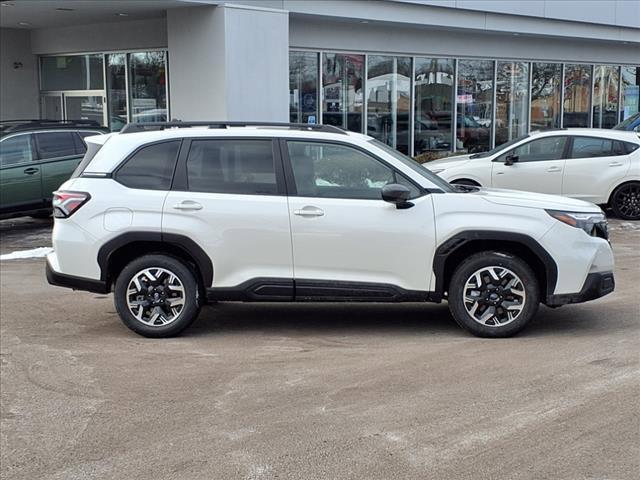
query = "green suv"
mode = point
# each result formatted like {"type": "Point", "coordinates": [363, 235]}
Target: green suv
{"type": "Point", "coordinates": [36, 157]}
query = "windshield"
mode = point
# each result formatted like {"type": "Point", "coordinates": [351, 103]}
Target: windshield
{"type": "Point", "coordinates": [415, 166]}
{"type": "Point", "coordinates": [499, 148]}
{"type": "Point", "coordinates": [624, 125]}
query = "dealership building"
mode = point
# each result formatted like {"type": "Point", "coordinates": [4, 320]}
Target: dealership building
{"type": "Point", "coordinates": [428, 77]}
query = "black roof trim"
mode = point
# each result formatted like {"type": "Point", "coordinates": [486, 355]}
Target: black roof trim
{"type": "Point", "coordinates": [152, 126]}
{"type": "Point", "coordinates": [11, 126]}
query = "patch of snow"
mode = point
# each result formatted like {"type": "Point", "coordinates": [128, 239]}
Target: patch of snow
{"type": "Point", "coordinates": [33, 253]}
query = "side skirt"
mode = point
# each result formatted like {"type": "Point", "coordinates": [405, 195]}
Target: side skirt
{"type": "Point", "coordinates": [289, 290]}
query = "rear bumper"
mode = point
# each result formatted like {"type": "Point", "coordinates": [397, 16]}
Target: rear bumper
{"type": "Point", "coordinates": [595, 286]}
{"type": "Point", "coordinates": [77, 283]}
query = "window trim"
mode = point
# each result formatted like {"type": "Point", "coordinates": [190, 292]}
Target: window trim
{"type": "Point", "coordinates": [180, 178]}
{"type": "Point", "coordinates": [34, 152]}
{"type": "Point", "coordinates": [290, 178]}
{"type": "Point", "coordinates": [565, 150]}
{"type": "Point", "coordinates": [114, 173]}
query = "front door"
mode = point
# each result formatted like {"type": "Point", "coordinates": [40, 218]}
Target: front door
{"type": "Point", "coordinates": [538, 166]}
{"type": "Point", "coordinates": [20, 176]}
{"type": "Point", "coordinates": [343, 231]}
{"type": "Point", "coordinates": [229, 195]}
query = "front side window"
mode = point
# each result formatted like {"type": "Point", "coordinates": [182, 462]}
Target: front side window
{"type": "Point", "coordinates": [151, 167]}
{"type": "Point", "coordinates": [541, 149]}
{"type": "Point", "coordinates": [55, 144]}
{"type": "Point", "coordinates": [337, 171]}
{"type": "Point", "coordinates": [589, 147]}
{"type": "Point", "coordinates": [15, 150]}
{"type": "Point", "coordinates": [243, 167]}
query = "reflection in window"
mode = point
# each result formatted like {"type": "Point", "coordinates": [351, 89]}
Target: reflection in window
{"type": "Point", "coordinates": [116, 91]}
{"type": "Point", "coordinates": [512, 101]}
{"type": "Point", "coordinates": [342, 76]}
{"type": "Point", "coordinates": [541, 149]}
{"type": "Point", "coordinates": [389, 100]}
{"type": "Point", "coordinates": [546, 91]}
{"type": "Point", "coordinates": [474, 105]}
{"type": "Point", "coordinates": [577, 95]}
{"type": "Point", "coordinates": [630, 79]}
{"type": "Point", "coordinates": [589, 147]}
{"type": "Point", "coordinates": [148, 89]}
{"type": "Point", "coordinates": [71, 72]}
{"type": "Point", "coordinates": [433, 108]}
{"type": "Point", "coordinates": [605, 96]}
{"type": "Point", "coordinates": [303, 87]}
{"type": "Point", "coordinates": [15, 150]}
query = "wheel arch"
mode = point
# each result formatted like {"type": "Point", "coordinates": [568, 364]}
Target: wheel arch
{"type": "Point", "coordinates": [114, 255]}
{"type": "Point", "coordinates": [459, 247]}
{"type": "Point", "coordinates": [612, 190]}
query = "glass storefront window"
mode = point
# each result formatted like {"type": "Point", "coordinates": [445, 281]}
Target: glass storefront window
{"type": "Point", "coordinates": [389, 100]}
{"type": "Point", "coordinates": [474, 105]}
{"type": "Point", "coordinates": [577, 95]}
{"type": "Point", "coordinates": [630, 80]}
{"type": "Point", "coordinates": [71, 72]}
{"type": "Point", "coordinates": [546, 92]}
{"type": "Point", "coordinates": [147, 87]}
{"type": "Point", "coordinates": [116, 91]}
{"type": "Point", "coordinates": [512, 101]}
{"type": "Point", "coordinates": [303, 87]}
{"type": "Point", "coordinates": [342, 103]}
{"type": "Point", "coordinates": [605, 96]}
{"type": "Point", "coordinates": [433, 107]}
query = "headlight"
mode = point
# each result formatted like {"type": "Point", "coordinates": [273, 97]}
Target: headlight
{"type": "Point", "coordinates": [594, 224]}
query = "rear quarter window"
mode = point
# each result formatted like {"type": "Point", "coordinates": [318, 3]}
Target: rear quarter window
{"type": "Point", "coordinates": [150, 167]}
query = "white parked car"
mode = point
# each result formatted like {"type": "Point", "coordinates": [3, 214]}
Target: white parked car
{"type": "Point", "coordinates": [599, 166]}
{"type": "Point", "coordinates": [173, 218]}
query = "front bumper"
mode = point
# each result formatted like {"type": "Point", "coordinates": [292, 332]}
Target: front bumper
{"type": "Point", "coordinates": [77, 283]}
{"type": "Point", "coordinates": [596, 285]}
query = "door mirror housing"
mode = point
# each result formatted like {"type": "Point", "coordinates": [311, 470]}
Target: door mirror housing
{"type": "Point", "coordinates": [397, 194]}
{"type": "Point", "coordinates": [511, 159]}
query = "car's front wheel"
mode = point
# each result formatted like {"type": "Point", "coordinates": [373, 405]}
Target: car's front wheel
{"type": "Point", "coordinates": [625, 201]}
{"type": "Point", "coordinates": [493, 294]}
{"type": "Point", "coordinates": [157, 296]}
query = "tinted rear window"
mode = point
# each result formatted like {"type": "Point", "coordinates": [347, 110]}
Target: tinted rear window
{"type": "Point", "coordinates": [151, 167]}
{"type": "Point", "coordinates": [55, 144]}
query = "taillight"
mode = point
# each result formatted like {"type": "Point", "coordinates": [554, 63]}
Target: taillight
{"type": "Point", "coordinates": [66, 203]}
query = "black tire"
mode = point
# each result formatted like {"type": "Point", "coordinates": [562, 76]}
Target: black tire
{"type": "Point", "coordinates": [164, 290]}
{"type": "Point", "coordinates": [493, 295]}
{"type": "Point", "coordinates": [466, 181]}
{"type": "Point", "coordinates": [625, 201]}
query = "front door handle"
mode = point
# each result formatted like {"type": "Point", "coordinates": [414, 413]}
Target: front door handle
{"type": "Point", "coordinates": [309, 211]}
{"type": "Point", "coordinates": [615, 164]}
{"type": "Point", "coordinates": [554, 169]}
{"type": "Point", "coordinates": [188, 205]}
{"type": "Point", "coordinates": [30, 170]}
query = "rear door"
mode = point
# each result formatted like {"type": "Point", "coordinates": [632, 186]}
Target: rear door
{"type": "Point", "coordinates": [538, 166]}
{"type": "Point", "coordinates": [59, 153]}
{"type": "Point", "coordinates": [20, 175]}
{"type": "Point", "coordinates": [594, 166]}
{"type": "Point", "coordinates": [229, 197]}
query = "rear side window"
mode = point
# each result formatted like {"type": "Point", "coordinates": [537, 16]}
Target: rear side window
{"type": "Point", "coordinates": [16, 150]}
{"type": "Point", "coordinates": [55, 144]}
{"type": "Point", "coordinates": [151, 167]}
{"type": "Point", "coordinates": [631, 147]}
{"type": "Point", "coordinates": [232, 166]}
{"type": "Point", "coordinates": [589, 147]}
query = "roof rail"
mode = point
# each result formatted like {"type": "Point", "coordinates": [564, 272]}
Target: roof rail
{"type": "Point", "coordinates": [153, 126]}
{"type": "Point", "coordinates": [8, 126]}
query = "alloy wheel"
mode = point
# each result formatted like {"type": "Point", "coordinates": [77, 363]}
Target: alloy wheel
{"type": "Point", "coordinates": [494, 296]}
{"type": "Point", "coordinates": [628, 201]}
{"type": "Point", "coordinates": [155, 296]}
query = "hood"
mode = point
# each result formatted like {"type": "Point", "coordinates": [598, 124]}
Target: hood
{"type": "Point", "coordinates": [535, 200]}
{"type": "Point", "coordinates": [447, 162]}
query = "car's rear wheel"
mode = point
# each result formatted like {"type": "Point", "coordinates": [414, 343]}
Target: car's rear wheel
{"type": "Point", "coordinates": [493, 294]}
{"type": "Point", "coordinates": [157, 296]}
{"type": "Point", "coordinates": [625, 201]}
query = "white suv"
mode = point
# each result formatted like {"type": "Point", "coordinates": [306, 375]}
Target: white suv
{"type": "Point", "coordinates": [599, 166]}
{"type": "Point", "coordinates": [174, 215]}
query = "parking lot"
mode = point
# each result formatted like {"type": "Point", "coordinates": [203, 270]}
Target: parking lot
{"type": "Point", "coordinates": [314, 391]}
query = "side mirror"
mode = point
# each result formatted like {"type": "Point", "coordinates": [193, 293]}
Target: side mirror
{"type": "Point", "coordinates": [511, 159]}
{"type": "Point", "coordinates": [398, 194]}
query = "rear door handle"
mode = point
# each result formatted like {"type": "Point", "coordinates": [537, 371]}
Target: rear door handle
{"type": "Point", "coordinates": [309, 211]}
{"type": "Point", "coordinates": [30, 170]}
{"type": "Point", "coordinates": [188, 205]}
{"type": "Point", "coordinates": [554, 169]}
{"type": "Point", "coordinates": [615, 164]}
